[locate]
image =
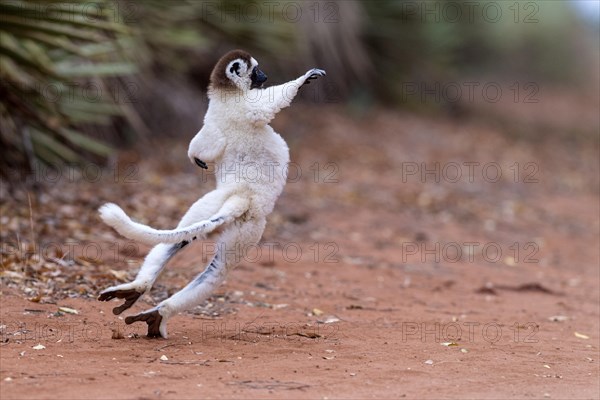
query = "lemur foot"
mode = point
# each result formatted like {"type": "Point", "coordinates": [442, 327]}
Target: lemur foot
{"type": "Point", "coordinates": [313, 74]}
{"type": "Point", "coordinates": [126, 291]}
{"type": "Point", "coordinates": [157, 326]}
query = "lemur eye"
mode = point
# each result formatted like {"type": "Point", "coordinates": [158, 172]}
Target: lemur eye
{"type": "Point", "coordinates": [235, 68]}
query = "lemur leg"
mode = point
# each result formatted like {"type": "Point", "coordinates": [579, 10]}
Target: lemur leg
{"type": "Point", "coordinates": [196, 291]}
{"type": "Point", "coordinates": [159, 256]}
{"type": "Point", "coordinates": [230, 247]}
{"type": "Point", "coordinates": [154, 263]}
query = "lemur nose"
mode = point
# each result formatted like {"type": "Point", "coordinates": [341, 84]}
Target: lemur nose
{"type": "Point", "coordinates": [262, 77]}
{"type": "Point", "coordinates": [200, 163]}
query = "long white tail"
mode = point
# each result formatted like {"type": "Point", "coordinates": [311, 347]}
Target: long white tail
{"type": "Point", "coordinates": [114, 216]}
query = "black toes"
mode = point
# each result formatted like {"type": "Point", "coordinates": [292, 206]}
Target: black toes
{"type": "Point", "coordinates": [145, 316]}
{"type": "Point", "coordinates": [118, 310]}
{"type": "Point", "coordinates": [152, 318]}
{"type": "Point", "coordinates": [154, 330]}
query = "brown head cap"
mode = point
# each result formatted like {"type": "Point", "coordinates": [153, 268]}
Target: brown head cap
{"type": "Point", "coordinates": [218, 78]}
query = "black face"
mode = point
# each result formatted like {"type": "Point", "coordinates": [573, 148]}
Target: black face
{"type": "Point", "coordinates": [258, 78]}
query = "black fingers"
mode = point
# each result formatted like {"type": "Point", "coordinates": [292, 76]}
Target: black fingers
{"type": "Point", "coordinates": [314, 75]}
{"type": "Point", "coordinates": [200, 163]}
{"type": "Point", "coordinates": [119, 294]}
{"type": "Point", "coordinates": [129, 301]}
{"type": "Point", "coordinates": [310, 78]}
{"type": "Point", "coordinates": [130, 296]}
{"type": "Point", "coordinates": [106, 296]}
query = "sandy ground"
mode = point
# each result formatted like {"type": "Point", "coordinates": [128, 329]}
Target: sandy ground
{"type": "Point", "coordinates": [372, 281]}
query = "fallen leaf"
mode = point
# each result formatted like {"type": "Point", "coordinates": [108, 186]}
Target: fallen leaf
{"type": "Point", "coordinates": [120, 275]}
{"type": "Point", "coordinates": [558, 318]}
{"type": "Point", "coordinates": [317, 312]}
{"type": "Point", "coordinates": [68, 310]}
{"type": "Point", "coordinates": [271, 385]}
{"type": "Point", "coordinates": [488, 289]}
{"type": "Point", "coordinates": [510, 261]}
{"type": "Point", "coordinates": [449, 344]}
{"type": "Point", "coordinates": [530, 287]}
{"type": "Point", "coordinates": [331, 320]}
{"type": "Point", "coordinates": [311, 335]}
{"type": "Point", "coordinates": [117, 334]}
{"type": "Point", "coordinates": [581, 335]}
{"type": "Point", "coordinates": [354, 307]}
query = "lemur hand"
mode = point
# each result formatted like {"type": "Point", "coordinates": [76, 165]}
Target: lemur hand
{"type": "Point", "coordinates": [200, 163]}
{"type": "Point", "coordinates": [313, 74]}
{"type": "Point", "coordinates": [131, 292]}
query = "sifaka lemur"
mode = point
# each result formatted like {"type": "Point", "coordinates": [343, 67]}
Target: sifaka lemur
{"type": "Point", "coordinates": [236, 136]}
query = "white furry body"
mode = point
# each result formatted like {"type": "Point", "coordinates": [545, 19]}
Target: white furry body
{"type": "Point", "coordinates": [250, 162]}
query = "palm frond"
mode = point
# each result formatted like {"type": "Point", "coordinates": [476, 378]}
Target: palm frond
{"type": "Point", "coordinates": [47, 52]}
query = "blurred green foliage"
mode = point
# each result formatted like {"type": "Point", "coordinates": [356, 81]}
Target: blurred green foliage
{"type": "Point", "coordinates": [449, 41]}
{"type": "Point", "coordinates": [54, 58]}
{"type": "Point", "coordinates": [54, 53]}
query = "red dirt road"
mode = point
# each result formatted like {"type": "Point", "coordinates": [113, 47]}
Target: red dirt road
{"type": "Point", "coordinates": [403, 286]}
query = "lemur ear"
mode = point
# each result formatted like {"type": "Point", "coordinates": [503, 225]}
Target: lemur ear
{"type": "Point", "coordinates": [235, 67]}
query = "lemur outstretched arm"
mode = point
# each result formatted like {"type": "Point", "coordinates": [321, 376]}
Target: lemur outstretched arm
{"type": "Point", "coordinates": [264, 107]}
{"type": "Point", "coordinates": [233, 208]}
